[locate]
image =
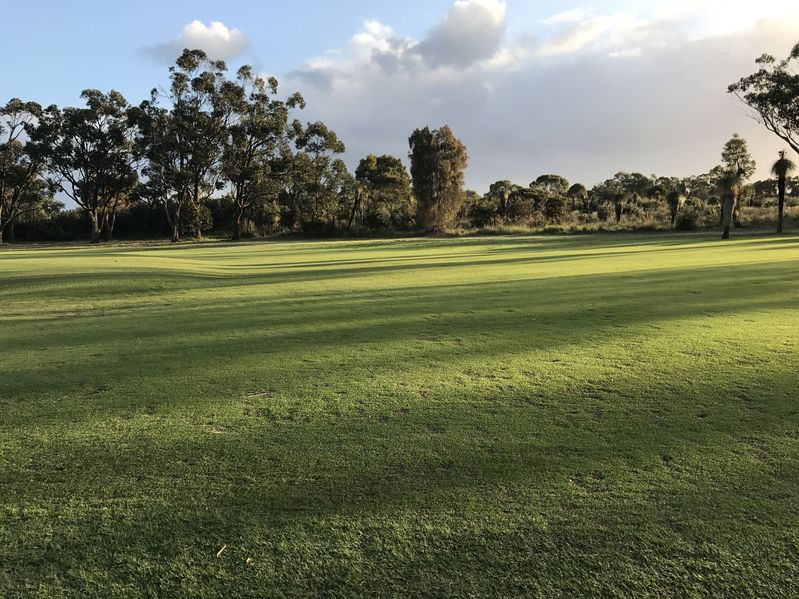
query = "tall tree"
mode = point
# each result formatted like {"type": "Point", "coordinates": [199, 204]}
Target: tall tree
{"type": "Point", "coordinates": [735, 156]}
{"type": "Point", "coordinates": [781, 169]}
{"type": "Point", "coordinates": [438, 160]}
{"type": "Point", "coordinates": [182, 143]}
{"type": "Point", "coordinates": [317, 175]}
{"type": "Point", "coordinates": [386, 193]}
{"type": "Point", "coordinates": [22, 189]}
{"type": "Point", "coordinates": [736, 162]}
{"type": "Point", "coordinates": [89, 155]}
{"type": "Point", "coordinates": [773, 93]}
{"type": "Point", "coordinates": [256, 151]}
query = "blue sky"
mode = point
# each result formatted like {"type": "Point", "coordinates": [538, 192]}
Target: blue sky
{"type": "Point", "coordinates": [582, 89]}
{"type": "Point", "coordinates": [73, 45]}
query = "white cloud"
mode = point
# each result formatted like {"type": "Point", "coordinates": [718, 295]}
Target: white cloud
{"type": "Point", "coordinates": [472, 30]}
{"type": "Point", "coordinates": [570, 16]}
{"type": "Point", "coordinates": [216, 39]}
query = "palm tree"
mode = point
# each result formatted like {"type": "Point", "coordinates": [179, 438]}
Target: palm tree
{"type": "Point", "coordinates": [730, 184]}
{"type": "Point", "coordinates": [781, 169]}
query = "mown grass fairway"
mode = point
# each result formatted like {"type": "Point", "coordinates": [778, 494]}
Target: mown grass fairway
{"type": "Point", "coordinates": [612, 415]}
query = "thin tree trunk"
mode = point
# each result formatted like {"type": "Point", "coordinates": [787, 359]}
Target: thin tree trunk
{"type": "Point", "coordinates": [781, 209]}
{"type": "Point", "coordinates": [355, 207]}
{"type": "Point", "coordinates": [109, 233]}
{"type": "Point", "coordinates": [174, 222]}
{"type": "Point", "coordinates": [105, 230]}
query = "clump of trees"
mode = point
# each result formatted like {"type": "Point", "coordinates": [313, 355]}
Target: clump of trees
{"type": "Point", "coordinates": [212, 152]}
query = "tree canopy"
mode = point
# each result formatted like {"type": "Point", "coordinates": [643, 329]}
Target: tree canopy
{"type": "Point", "coordinates": [773, 94]}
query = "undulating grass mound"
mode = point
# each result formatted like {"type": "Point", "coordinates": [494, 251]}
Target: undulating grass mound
{"type": "Point", "coordinates": [518, 416]}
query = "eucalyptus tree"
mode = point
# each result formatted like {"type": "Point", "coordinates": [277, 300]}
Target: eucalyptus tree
{"type": "Point", "coordinates": [89, 153]}
{"type": "Point", "coordinates": [438, 160]}
{"type": "Point", "coordinates": [553, 184]}
{"type": "Point", "coordinates": [22, 188]}
{"type": "Point", "coordinates": [257, 149]}
{"type": "Point", "coordinates": [385, 188]}
{"type": "Point", "coordinates": [182, 142]}
{"type": "Point", "coordinates": [772, 92]}
{"type": "Point", "coordinates": [317, 175]}
{"type": "Point", "coordinates": [781, 169]}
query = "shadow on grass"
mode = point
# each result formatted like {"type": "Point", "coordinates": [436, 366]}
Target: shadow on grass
{"type": "Point", "coordinates": [439, 499]}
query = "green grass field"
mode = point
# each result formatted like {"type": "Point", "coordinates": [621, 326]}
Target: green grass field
{"type": "Point", "coordinates": [609, 415]}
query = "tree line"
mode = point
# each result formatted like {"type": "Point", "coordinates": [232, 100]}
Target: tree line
{"type": "Point", "coordinates": [214, 152]}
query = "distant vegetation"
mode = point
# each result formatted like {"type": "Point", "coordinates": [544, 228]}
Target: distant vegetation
{"type": "Point", "coordinates": [228, 155]}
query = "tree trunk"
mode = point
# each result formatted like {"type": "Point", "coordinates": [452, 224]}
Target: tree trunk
{"type": "Point", "coordinates": [355, 207]}
{"type": "Point", "coordinates": [728, 206]}
{"type": "Point", "coordinates": [175, 233]}
{"type": "Point", "coordinates": [95, 226]}
{"type": "Point", "coordinates": [619, 212]}
{"type": "Point", "coordinates": [108, 226]}
{"type": "Point", "coordinates": [781, 209]}
{"type": "Point", "coordinates": [237, 223]}
{"type": "Point", "coordinates": [673, 208]}
{"type": "Point", "coordinates": [10, 235]}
